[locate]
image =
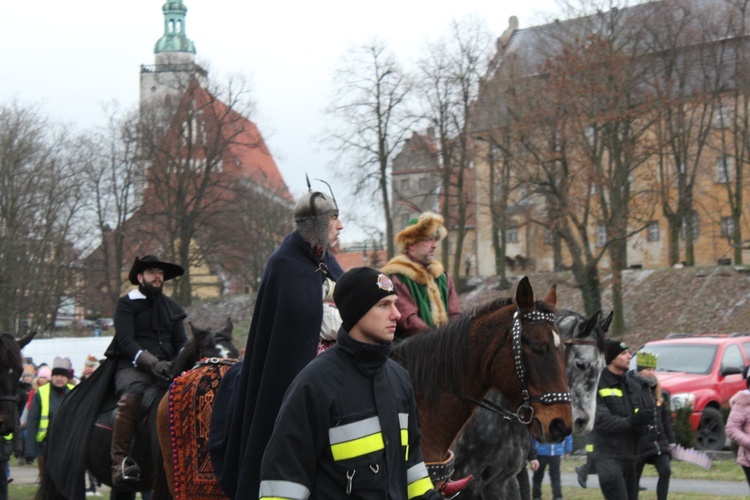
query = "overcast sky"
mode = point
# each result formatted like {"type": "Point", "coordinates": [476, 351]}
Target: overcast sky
{"type": "Point", "coordinates": [72, 57]}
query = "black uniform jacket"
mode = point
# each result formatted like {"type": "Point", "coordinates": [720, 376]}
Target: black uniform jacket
{"type": "Point", "coordinates": [347, 429]}
{"type": "Point", "coordinates": [618, 398]}
{"type": "Point", "coordinates": [283, 338]}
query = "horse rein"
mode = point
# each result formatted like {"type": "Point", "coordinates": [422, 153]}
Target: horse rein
{"type": "Point", "coordinates": [525, 413]}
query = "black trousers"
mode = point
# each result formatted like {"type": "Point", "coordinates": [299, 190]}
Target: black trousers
{"type": "Point", "coordinates": [663, 468]}
{"type": "Point", "coordinates": [523, 483]}
{"type": "Point", "coordinates": [617, 478]}
{"type": "Point", "coordinates": [553, 461]}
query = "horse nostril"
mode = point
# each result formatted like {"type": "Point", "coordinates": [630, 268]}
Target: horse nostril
{"type": "Point", "coordinates": [581, 422]}
{"type": "Point", "coordinates": [558, 430]}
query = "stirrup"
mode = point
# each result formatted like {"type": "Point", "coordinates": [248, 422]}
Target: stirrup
{"type": "Point", "coordinates": [128, 471]}
{"type": "Point", "coordinates": [451, 489]}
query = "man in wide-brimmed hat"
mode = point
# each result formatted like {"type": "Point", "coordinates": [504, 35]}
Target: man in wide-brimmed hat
{"type": "Point", "coordinates": [427, 295]}
{"type": "Point", "coordinates": [148, 335]}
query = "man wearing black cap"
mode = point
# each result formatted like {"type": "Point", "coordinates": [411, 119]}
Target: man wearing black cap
{"type": "Point", "coordinates": [148, 335]}
{"type": "Point", "coordinates": [622, 417]}
{"type": "Point", "coordinates": [348, 423]}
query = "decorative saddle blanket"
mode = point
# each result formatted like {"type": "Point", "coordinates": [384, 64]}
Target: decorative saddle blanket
{"type": "Point", "coordinates": [191, 399]}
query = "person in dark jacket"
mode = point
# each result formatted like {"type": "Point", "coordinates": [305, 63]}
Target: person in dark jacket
{"type": "Point", "coordinates": [148, 335]}
{"type": "Point", "coordinates": [622, 418]}
{"type": "Point", "coordinates": [348, 426]}
{"type": "Point", "coordinates": [660, 439]}
{"type": "Point", "coordinates": [284, 334]}
{"type": "Point", "coordinates": [44, 405]}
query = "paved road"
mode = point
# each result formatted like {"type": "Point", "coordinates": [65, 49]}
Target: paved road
{"type": "Point", "coordinates": [729, 488]}
{"type": "Point", "coordinates": [28, 475]}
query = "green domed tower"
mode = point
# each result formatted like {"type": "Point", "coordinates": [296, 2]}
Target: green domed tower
{"type": "Point", "coordinates": [174, 60]}
{"type": "Point", "coordinates": [174, 38]}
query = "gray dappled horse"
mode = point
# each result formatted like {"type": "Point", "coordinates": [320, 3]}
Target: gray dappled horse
{"type": "Point", "coordinates": [494, 448]}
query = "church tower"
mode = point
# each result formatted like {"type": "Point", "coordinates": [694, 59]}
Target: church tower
{"type": "Point", "coordinates": [174, 63]}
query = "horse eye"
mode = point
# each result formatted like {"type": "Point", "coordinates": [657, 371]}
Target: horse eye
{"type": "Point", "coordinates": [581, 366]}
{"type": "Point", "coordinates": [538, 350]}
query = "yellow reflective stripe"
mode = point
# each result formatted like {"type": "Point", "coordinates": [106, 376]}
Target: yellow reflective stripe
{"type": "Point", "coordinates": [44, 413]}
{"type": "Point", "coordinates": [356, 439]}
{"type": "Point", "coordinates": [9, 437]}
{"type": "Point", "coordinates": [418, 480]}
{"type": "Point", "coordinates": [610, 392]}
{"type": "Point", "coordinates": [589, 448]}
{"type": "Point", "coordinates": [357, 447]}
{"type": "Point", "coordinates": [403, 422]}
{"type": "Point", "coordinates": [283, 490]}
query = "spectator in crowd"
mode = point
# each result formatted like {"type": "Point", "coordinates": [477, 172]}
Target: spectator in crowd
{"type": "Point", "coordinates": [44, 404]}
{"type": "Point", "coordinates": [660, 439]}
{"type": "Point", "coordinates": [549, 455]}
{"type": "Point", "coordinates": [738, 424]}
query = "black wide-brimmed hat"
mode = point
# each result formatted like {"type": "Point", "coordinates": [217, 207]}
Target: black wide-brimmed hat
{"type": "Point", "coordinates": [151, 262]}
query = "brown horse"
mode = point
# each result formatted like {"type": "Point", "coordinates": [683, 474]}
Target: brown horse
{"type": "Point", "coordinates": [514, 348]}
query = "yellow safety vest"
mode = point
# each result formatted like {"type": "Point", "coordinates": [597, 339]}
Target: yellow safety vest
{"type": "Point", "coordinates": [44, 415]}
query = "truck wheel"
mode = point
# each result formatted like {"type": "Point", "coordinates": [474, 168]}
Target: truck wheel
{"type": "Point", "coordinates": [711, 434]}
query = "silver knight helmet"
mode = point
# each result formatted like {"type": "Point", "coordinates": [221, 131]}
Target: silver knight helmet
{"type": "Point", "coordinates": [312, 214]}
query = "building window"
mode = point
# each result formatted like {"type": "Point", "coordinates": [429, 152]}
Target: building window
{"type": "Point", "coordinates": [601, 234]}
{"type": "Point", "coordinates": [727, 227]}
{"type": "Point", "coordinates": [512, 235]}
{"type": "Point", "coordinates": [725, 169]}
{"type": "Point", "coordinates": [722, 116]}
{"type": "Point", "coordinates": [404, 184]}
{"type": "Point", "coordinates": [422, 184]}
{"type": "Point", "coordinates": [683, 230]}
{"type": "Point", "coordinates": [653, 231]}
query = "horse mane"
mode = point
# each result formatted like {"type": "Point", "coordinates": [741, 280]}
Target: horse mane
{"type": "Point", "coordinates": [438, 359]}
{"type": "Point", "coordinates": [187, 356]}
{"type": "Point", "coordinates": [10, 354]}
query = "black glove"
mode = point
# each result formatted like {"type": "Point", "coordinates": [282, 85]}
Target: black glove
{"type": "Point", "coordinates": [148, 362]}
{"type": "Point", "coordinates": [643, 417]}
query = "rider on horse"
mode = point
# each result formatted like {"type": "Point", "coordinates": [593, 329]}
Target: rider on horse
{"type": "Point", "coordinates": [148, 335]}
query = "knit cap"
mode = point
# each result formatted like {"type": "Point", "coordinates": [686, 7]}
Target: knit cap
{"type": "Point", "coordinates": [62, 366]}
{"type": "Point", "coordinates": [613, 349]}
{"type": "Point", "coordinates": [44, 372]}
{"type": "Point", "coordinates": [357, 291]}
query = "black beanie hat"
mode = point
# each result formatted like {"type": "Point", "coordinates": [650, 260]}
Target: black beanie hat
{"type": "Point", "coordinates": [613, 349]}
{"type": "Point", "coordinates": [357, 291]}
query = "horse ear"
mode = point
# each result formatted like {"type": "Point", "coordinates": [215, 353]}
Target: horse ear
{"type": "Point", "coordinates": [24, 341]}
{"type": "Point", "coordinates": [604, 324]}
{"type": "Point", "coordinates": [551, 297]}
{"type": "Point", "coordinates": [228, 328]}
{"type": "Point", "coordinates": [589, 325]}
{"type": "Point", "coordinates": [524, 294]}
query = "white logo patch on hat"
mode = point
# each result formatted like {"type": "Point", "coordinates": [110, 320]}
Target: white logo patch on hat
{"type": "Point", "coordinates": [385, 283]}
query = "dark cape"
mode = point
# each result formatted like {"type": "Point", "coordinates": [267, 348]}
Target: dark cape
{"type": "Point", "coordinates": [69, 431]}
{"type": "Point", "coordinates": [283, 338]}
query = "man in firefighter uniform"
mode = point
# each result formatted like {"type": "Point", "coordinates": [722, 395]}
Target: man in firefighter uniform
{"type": "Point", "coordinates": [622, 417]}
{"type": "Point", "coordinates": [348, 423]}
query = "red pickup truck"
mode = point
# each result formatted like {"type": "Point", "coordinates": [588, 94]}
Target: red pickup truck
{"type": "Point", "coordinates": [702, 372]}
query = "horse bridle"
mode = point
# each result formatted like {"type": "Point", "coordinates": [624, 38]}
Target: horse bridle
{"type": "Point", "coordinates": [525, 413]}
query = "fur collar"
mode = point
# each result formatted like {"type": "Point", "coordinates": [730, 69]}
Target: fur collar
{"type": "Point", "coordinates": [402, 264]}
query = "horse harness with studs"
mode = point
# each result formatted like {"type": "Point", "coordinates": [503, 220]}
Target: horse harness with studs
{"type": "Point", "coordinates": [525, 413]}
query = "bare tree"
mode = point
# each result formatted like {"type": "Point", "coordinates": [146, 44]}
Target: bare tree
{"type": "Point", "coordinates": [196, 172]}
{"type": "Point", "coordinates": [448, 83]}
{"type": "Point", "coordinates": [40, 198]}
{"type": "Point", "coordinates": [371, 120]}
